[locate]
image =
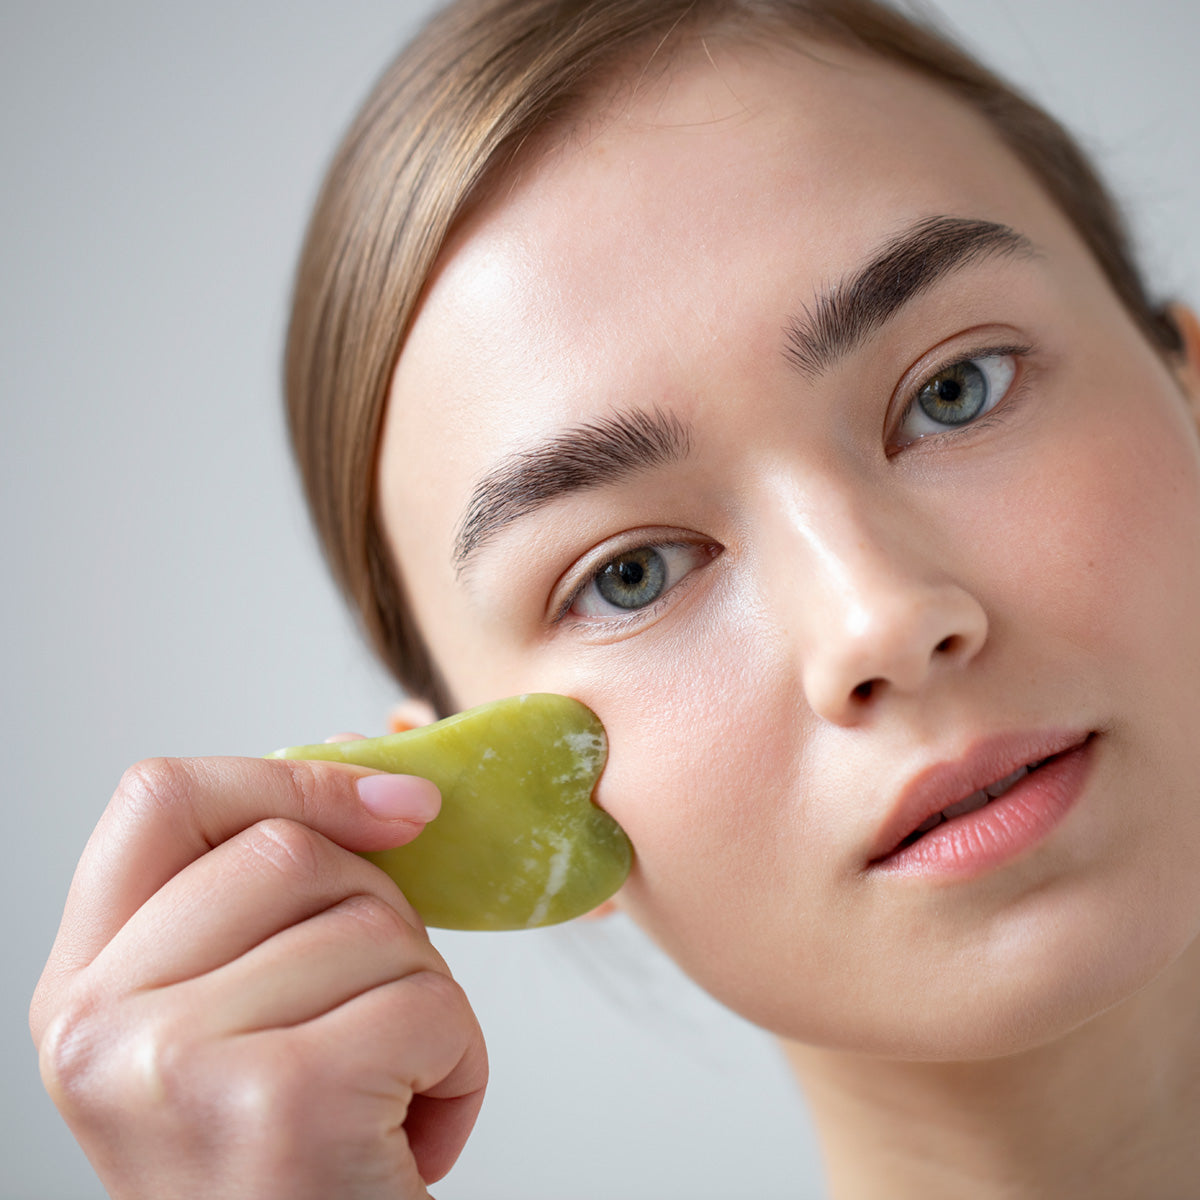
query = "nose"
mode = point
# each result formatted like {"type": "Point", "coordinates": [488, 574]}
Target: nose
{"type": "Point", "coordinates": [881, 611]}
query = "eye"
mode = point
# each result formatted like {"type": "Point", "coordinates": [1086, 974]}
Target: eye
{"type": "Point", "coordinates": [957, 395]}
{"type": "Point", "coordinates": [636, 578]}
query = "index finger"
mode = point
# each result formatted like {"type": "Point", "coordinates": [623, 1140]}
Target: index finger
{"type": "Point", "coordinates": [168, 812]}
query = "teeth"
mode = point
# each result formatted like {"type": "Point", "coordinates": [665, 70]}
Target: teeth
{"type": "Point", "coordinates": [970, 804]}
{"type": "Point", "coordinates": [975, 800]}
{"type": "Point", "coordinates": [980, 798]}
{"type": "Point", "coordinates": [998, 789]}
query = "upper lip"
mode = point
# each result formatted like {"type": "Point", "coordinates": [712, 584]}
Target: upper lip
{"type": "Point", "coordinates": [985, 762]}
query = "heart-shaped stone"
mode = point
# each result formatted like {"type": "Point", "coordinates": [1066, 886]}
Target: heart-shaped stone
{"type": "Point", "coordinates": [518, 843]}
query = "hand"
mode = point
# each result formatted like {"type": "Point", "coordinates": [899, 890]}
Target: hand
{"type": "Point", "coordinates": [237, 1005]}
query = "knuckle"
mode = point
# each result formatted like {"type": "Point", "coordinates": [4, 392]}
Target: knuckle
{"type": "Point", "coordinates": [286, 847]}
{"type": "Point", "coordinates": [305, 782]}
{"type": "Point", "coordinates": [96, 1063]}
{"type": "Point", "coordinates": [442, 992]}
{"type": "Point", "coordinates": [154, 785]}
{"type": "Point", "coordinates": [68, 1055]}
{"type": "Point", "coordinates": [110, 1072]}
{"type": "Point", "coordinates": [374, 918]}
{"type": "Point", "coordinates": [269, 1098]}
{"type": "Point", "coordinates": [163, 1065]}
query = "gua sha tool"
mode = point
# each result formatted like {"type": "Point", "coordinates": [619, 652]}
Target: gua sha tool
{"type": "Point", "coordinates": [518, 843]}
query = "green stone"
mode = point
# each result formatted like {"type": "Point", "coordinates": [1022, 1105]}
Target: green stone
{"type": "Point", "coordinates": [518, 843]}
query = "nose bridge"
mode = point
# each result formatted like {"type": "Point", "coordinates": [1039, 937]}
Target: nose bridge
{"type": "Point", "coordinates": [872, 598]}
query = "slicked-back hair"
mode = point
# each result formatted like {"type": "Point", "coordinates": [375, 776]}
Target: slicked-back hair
{"type": "Point", "coordinates": [453, 111]}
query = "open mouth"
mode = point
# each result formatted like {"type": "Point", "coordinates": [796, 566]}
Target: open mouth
{"type": "Point", "coordinates": [983, 797]}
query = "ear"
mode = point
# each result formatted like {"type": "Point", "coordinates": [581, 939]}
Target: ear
{"type": "Point", "coordinates": [1187, 363]}
{"type": "Point", "coordinates": [410, 713]}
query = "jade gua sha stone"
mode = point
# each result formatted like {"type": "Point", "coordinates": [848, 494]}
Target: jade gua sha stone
{"type": "Point", "coordinates": [518, 843]}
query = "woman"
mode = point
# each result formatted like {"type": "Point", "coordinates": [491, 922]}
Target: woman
{"type": "Point", "coordinates": [774, 381]}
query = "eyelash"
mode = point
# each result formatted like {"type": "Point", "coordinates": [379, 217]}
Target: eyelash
{"type": "Point", "coordinates": [615, 623]}
{"type": "Point", "coordinates": [1019, 352]}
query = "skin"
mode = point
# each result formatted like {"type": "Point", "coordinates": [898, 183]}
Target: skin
{"type": "Point", "coordinates": [1038, 570]}
{"type": "Point", "coordinates": [238, 1004]}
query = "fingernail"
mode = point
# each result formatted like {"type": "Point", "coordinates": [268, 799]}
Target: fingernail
{"type": "Point", "coordinates": [399, 797]}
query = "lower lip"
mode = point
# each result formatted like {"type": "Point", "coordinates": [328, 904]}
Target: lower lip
{"type": "Point", "coordinates": [995, 834]}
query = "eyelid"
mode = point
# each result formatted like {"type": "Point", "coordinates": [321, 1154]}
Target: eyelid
{"type": "Point", "coordinates": [941, 359]}
{"type": "Point", "coordinates": [584, 571]}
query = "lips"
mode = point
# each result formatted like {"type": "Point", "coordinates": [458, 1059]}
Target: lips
{"type": "Point", "coordinates": [953, 789]}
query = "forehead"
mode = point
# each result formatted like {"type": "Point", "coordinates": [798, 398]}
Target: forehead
{"type": "Point", "coordinates": [675, 229]}
{"type": "Point", "coordinates": [620, 227]}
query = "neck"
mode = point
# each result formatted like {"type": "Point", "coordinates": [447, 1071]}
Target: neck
{"type": "Point", "coordinates": [1110, 1110]}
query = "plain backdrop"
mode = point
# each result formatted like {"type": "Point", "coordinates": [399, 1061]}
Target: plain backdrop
{"type": "Point", "coordinates": [162, 593]}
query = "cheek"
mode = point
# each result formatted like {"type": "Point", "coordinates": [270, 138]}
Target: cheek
{"type": "Point", "coordinates": [1101, 546]}
{"type": "Point", "coordinates": [704, 775]}
{"type": "Point", "coordinates": [711, 777]}
{"type": "Point", "coordinates": [695, 738]}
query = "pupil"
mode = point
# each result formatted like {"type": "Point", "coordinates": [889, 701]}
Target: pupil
{"type": "Point", "coordinates": [956, 395]}
{"type": "Point", "coordinates": [633, 580]}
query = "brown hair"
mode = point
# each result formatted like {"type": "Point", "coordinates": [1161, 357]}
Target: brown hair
{"type": "Point", "coordinates": [450, 113]}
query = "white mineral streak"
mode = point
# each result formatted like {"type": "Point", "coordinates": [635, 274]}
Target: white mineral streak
{"type": "Point", "coordinates": [556, 876]}
{"type": "Point", "coordinates": [587, 749]}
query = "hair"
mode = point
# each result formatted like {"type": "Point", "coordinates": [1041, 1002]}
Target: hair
{"type": "Point", "coordinates": [450, 114]}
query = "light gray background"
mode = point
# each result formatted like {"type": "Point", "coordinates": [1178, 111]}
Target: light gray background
{"type": "Point", "coordinates": [161, 593]}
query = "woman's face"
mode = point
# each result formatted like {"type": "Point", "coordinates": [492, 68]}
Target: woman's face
{"type": "Point", "coordinates": [810, 449]}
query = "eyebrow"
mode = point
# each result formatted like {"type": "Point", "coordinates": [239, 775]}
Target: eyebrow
{"type": "Point", "coordinates": [600, 453]}
{"type": "Point", "coordinates": [584, 456]}
{"type": "Point", "coordinates": [846, 314]}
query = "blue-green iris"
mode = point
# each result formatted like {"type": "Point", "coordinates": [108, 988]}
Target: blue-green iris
{"type": "Point", "coordinates": [956, 395]}
{"type": "Point", "coordinates": [633, 580]}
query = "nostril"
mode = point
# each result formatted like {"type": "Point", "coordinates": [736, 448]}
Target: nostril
{"type": "Point", "coordinates": [867, 689]}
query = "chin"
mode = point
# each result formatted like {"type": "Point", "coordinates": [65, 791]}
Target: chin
{"type": "Point", "coordinates": [1029, 978]}
{"type": "Point", "coordinates": [1007, 1004]}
